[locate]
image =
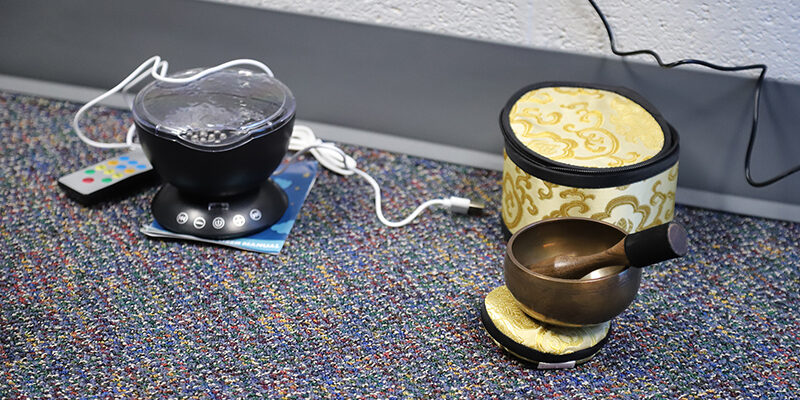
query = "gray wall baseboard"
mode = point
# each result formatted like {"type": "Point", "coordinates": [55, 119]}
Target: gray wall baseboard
{"type": "Point", "coordinates": [419, 148]}
{"type": "Point", "coordinates": [410, 85]}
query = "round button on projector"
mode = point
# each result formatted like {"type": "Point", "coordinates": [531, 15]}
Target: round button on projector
{"type": "Point", "coordinates": [218, 223]}
{"type": "Point", "coordinates": [182, 218]}
{"type": "Point", "coordinates": [199, 222]}
{"type": "Point", "coordinates": [238, 220]}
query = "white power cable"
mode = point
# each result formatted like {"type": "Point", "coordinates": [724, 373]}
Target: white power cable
{"type": "Point", "coordinates": [327, 154]}
{"type": "Point", "coordinates": [302, 141]}
{"type": "Point", "coordinates": [333, 158]}
{"type": "Point", "coordinates": [379, 209]}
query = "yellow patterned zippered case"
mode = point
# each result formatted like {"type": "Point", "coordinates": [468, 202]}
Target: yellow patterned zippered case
{"type": "Point", "coordinates": [580, 150]}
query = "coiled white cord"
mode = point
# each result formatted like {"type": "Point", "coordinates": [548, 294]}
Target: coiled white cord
{"type": "Point", "coordinates": [335, 159]}
{"type": "Point", "coordinates": [302, 141]}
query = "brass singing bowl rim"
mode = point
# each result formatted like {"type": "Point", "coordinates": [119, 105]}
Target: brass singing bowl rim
{"type": "Point", "coordinates": [510, 252]}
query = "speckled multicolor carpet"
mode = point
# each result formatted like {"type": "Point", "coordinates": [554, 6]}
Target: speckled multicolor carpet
{"type": "Point", "coordinates": [90, 308]}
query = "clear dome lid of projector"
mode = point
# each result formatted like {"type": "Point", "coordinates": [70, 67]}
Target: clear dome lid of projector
{"type": "Point", "coordinates": [222, 109]}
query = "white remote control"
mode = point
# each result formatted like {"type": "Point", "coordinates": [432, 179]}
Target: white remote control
{"type": "Point", "coordinates": [113, 177]}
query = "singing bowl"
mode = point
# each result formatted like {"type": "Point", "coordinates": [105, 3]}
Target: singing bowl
{"type": "Point", "coordinates": [596, 298]}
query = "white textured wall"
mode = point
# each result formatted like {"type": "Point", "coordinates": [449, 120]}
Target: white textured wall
{"type": "Point", "coordinates": [721, 31]}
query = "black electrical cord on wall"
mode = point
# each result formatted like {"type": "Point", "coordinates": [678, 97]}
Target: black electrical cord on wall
{"type": "Point", "coordinates": [757, 95]}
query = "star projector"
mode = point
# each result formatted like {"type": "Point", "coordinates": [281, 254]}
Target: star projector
{"type": "Point", "coordinates": [215, 141]}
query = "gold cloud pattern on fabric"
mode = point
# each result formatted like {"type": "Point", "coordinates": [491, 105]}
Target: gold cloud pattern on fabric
{"type": "Point", "coordinates": [527, 199]}
{"type": "Point", "coordinates": [511, 321]}
{"type": "Point", "coordinates": [585, 127]}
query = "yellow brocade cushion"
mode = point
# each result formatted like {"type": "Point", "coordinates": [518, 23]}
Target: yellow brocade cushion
{"type": "Point", "coordinates": [507, 317]}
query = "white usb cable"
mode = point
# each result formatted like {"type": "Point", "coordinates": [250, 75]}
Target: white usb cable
{"type": "Point", "coordinates": [302, 141]}
{"type": "Point", "coordinates": [335, 159]}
